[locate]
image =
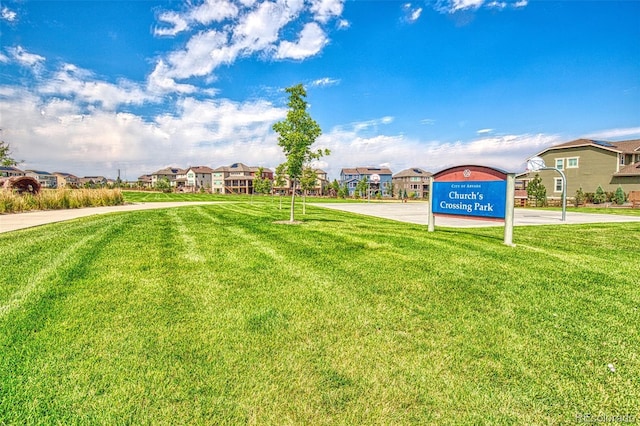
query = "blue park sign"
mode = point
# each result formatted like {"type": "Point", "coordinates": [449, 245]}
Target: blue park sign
{"type": "Point", "coordinates": [470, 198]}
{"type": "Point", "coordinates": [473, 191]}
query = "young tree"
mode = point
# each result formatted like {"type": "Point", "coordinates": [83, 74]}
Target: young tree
{"type": "Point", "coordinates": [296, 133]}
{"type": "Point", "coordinates": [619, 197]}
{"type": "Point", "coordinates": [536, 191]}
{"type": "Point", "coordinates": [580, 197]}
{"type": "Point", "coordinates": [163, 185]}
{"type": "Point", "coordinates": [600, 196]}
{"type": "Point", "coordinates": [280, 180]}
{"type": "Point", "coordinates": [261, 185]}
{"type": "Point", "coordinates": [362, 186]}
{"type": "Point", "coordinates": [343, 191]}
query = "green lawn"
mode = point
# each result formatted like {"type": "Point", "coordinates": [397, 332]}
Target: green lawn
{"type": "Point", "coordinates": [217, 315]}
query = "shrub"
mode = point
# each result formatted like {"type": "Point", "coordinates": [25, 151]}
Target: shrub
{"type": "Point", "coordinates": [599, 197]}
{"type": "Point", "coordinates": [63, 198]}
{"type": "Point", "coordinates": [619, 197]}
{"type": "Point", "coordinates": [580, 197]}
{"type": "Point", "coordinates": [536, 191]}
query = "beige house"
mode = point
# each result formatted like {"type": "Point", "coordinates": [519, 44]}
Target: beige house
{"type": "Point", "coordinates": [236, 178]}
{"type": "Point", "coordinates": [199, 177]}
{"type": "Point", "coordinates": [66, 180]}
{"type": "Point", "coordinates": [588, 164]}
{"type": "Point", "coordinates": [320, 188]}
{"type": "Point", "coordinates": [169, 173]}
{"type": "Point", "coordinates": [414, 182]}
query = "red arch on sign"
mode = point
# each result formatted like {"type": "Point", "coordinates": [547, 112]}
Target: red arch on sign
{"type": "Point", "coordinates": [469, 173]}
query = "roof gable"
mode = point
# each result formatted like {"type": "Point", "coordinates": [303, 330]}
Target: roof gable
{"type": "Point", "coordinates": [604, 145]}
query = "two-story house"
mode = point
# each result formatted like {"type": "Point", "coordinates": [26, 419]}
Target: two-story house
{"type": "Point", "coordinates": [319, 188]}
{"type": "Point", "coordinates": [588, 164]}
{"type": "Point", "coordinates": [380, 183]}
{"type": "Point", "coordinates": [413, 182]}
{"type": "Point", "coordinates": [10, 171]}
{"type": "Point", "coordinates": [169, 173]}
{"type": "Point", "coordinates": [45, 179]}
{"type": "Point", "coordinates": [199, 177]}
{"type": "Point", "coordinates": [66, 180]}
{"type": "Point", "coordinates": [236, 178]}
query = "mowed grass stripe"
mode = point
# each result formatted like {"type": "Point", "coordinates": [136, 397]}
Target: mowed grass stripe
{"type": "Point", "coordinates": [341, 319]}
{"type": "Point", "coordinates": [53, 258]}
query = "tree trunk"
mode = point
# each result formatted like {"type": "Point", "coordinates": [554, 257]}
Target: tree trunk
{"type": "Point", "coordinates": [304, 202]}
{"type": "Point", "coordinates": [293, 201]}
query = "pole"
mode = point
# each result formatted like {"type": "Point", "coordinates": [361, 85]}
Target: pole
{"type": "Point", "coordinates": [509, 209]}
{"type": "Point", "coordinates": [431, 218]}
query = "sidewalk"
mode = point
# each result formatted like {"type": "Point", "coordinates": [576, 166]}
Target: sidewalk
{"type": "Point", "coordinates": [418, 213]}
{"type": "Point", "coordinates": [403, 212]}
{"type": "Point", "coordinates": [15, 221]}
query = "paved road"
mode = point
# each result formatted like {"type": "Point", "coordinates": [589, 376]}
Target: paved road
{"type": "Point", "coordinates": [403, 212]}
{"type": "Point", "coordinates": [13, 222]}
{"type": "Point", "coordinates": [417, 213]}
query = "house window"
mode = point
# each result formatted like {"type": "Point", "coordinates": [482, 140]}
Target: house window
{"type": "Point", "coordinates": [572, 163]}
{"type": "Point", "coordinates": [557, 186]}
{"type": "Point", "coordinates": [559, 163]}
{"type": "Point", "coordinates": [622, 159]}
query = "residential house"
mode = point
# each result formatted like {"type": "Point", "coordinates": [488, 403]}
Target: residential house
{"type": "Point", "coordinates": [236, 178]}
{"type": "Point", "coordinates": [66, 180]}
{"type": "Point", "coordinates": [169, 173]}
{"type": "Point", "coordinates": [588, 164]}
{"type": "Point", "coordinates": [199, 177]}
{"type": "Point", "coordinates": [351, 176]}
{"type": "Point", "coordinates": [320, 188]}
{"type": "Point", "coordinates": [92, 181]}
{"type": "Point", "coordinates": [145, 181]}
{"type": "Point", "coordinates": [45, 179]}
{"type": "Point", "coordinates": [414, 182]}
{"type": "Point", "coordinates": [9, 171]}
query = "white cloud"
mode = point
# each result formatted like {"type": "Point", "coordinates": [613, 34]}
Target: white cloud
{"type": "Point", "coordinates": [59, 134]}
{"type": "Point", "coordinates": [465, 4]}
{"type": "Point", "coordinates": [628, 132]}
{"type": "Point", "coordinates": [25, 58]}
{"type": "Point", "coordinates": [326, 9]}
{"type": "Point", "coordinates": [453, 6]}
{"type": "Point", "coordinates": [350, 148]}
{"type": "Point", "coordinates": [80, 84]}
{"type": "Point", "coordinates": [484, 131]}
{"type": "Point", "coordinates": [312, 40]}
{"type": "Point", "coordinates": [177, 22]}
{"type": "Point", "coordinates": [204, 52]}
{"type": "Point", "coordinates": [203, 14]}
{"type": "Point", "coordinates": [343, 24]}
{"type": "Point", "coordinates": [8, 14]}
{"type": "Point", "coordinates": [326, 81]}
{"type": "Point", "coordinates": [415, 14]}
{"type": "Point", "coordinates": [160, 81]}
{"type": "Point", "coordinates": [239, 29]}
{"type": "Point", "coordinates": [411, 14]}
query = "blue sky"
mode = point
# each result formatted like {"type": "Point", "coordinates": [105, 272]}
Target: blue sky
{"type": "Point", "coordinates": [90, 87]}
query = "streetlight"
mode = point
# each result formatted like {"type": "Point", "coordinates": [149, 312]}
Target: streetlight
{"type": "Point", "coordinates": [535, 164]}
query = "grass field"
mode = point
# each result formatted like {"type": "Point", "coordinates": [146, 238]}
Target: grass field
{"type": "Point", "coordinates": [217, 315]}
{"type": "Point", "coordinates": [152, 196]}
